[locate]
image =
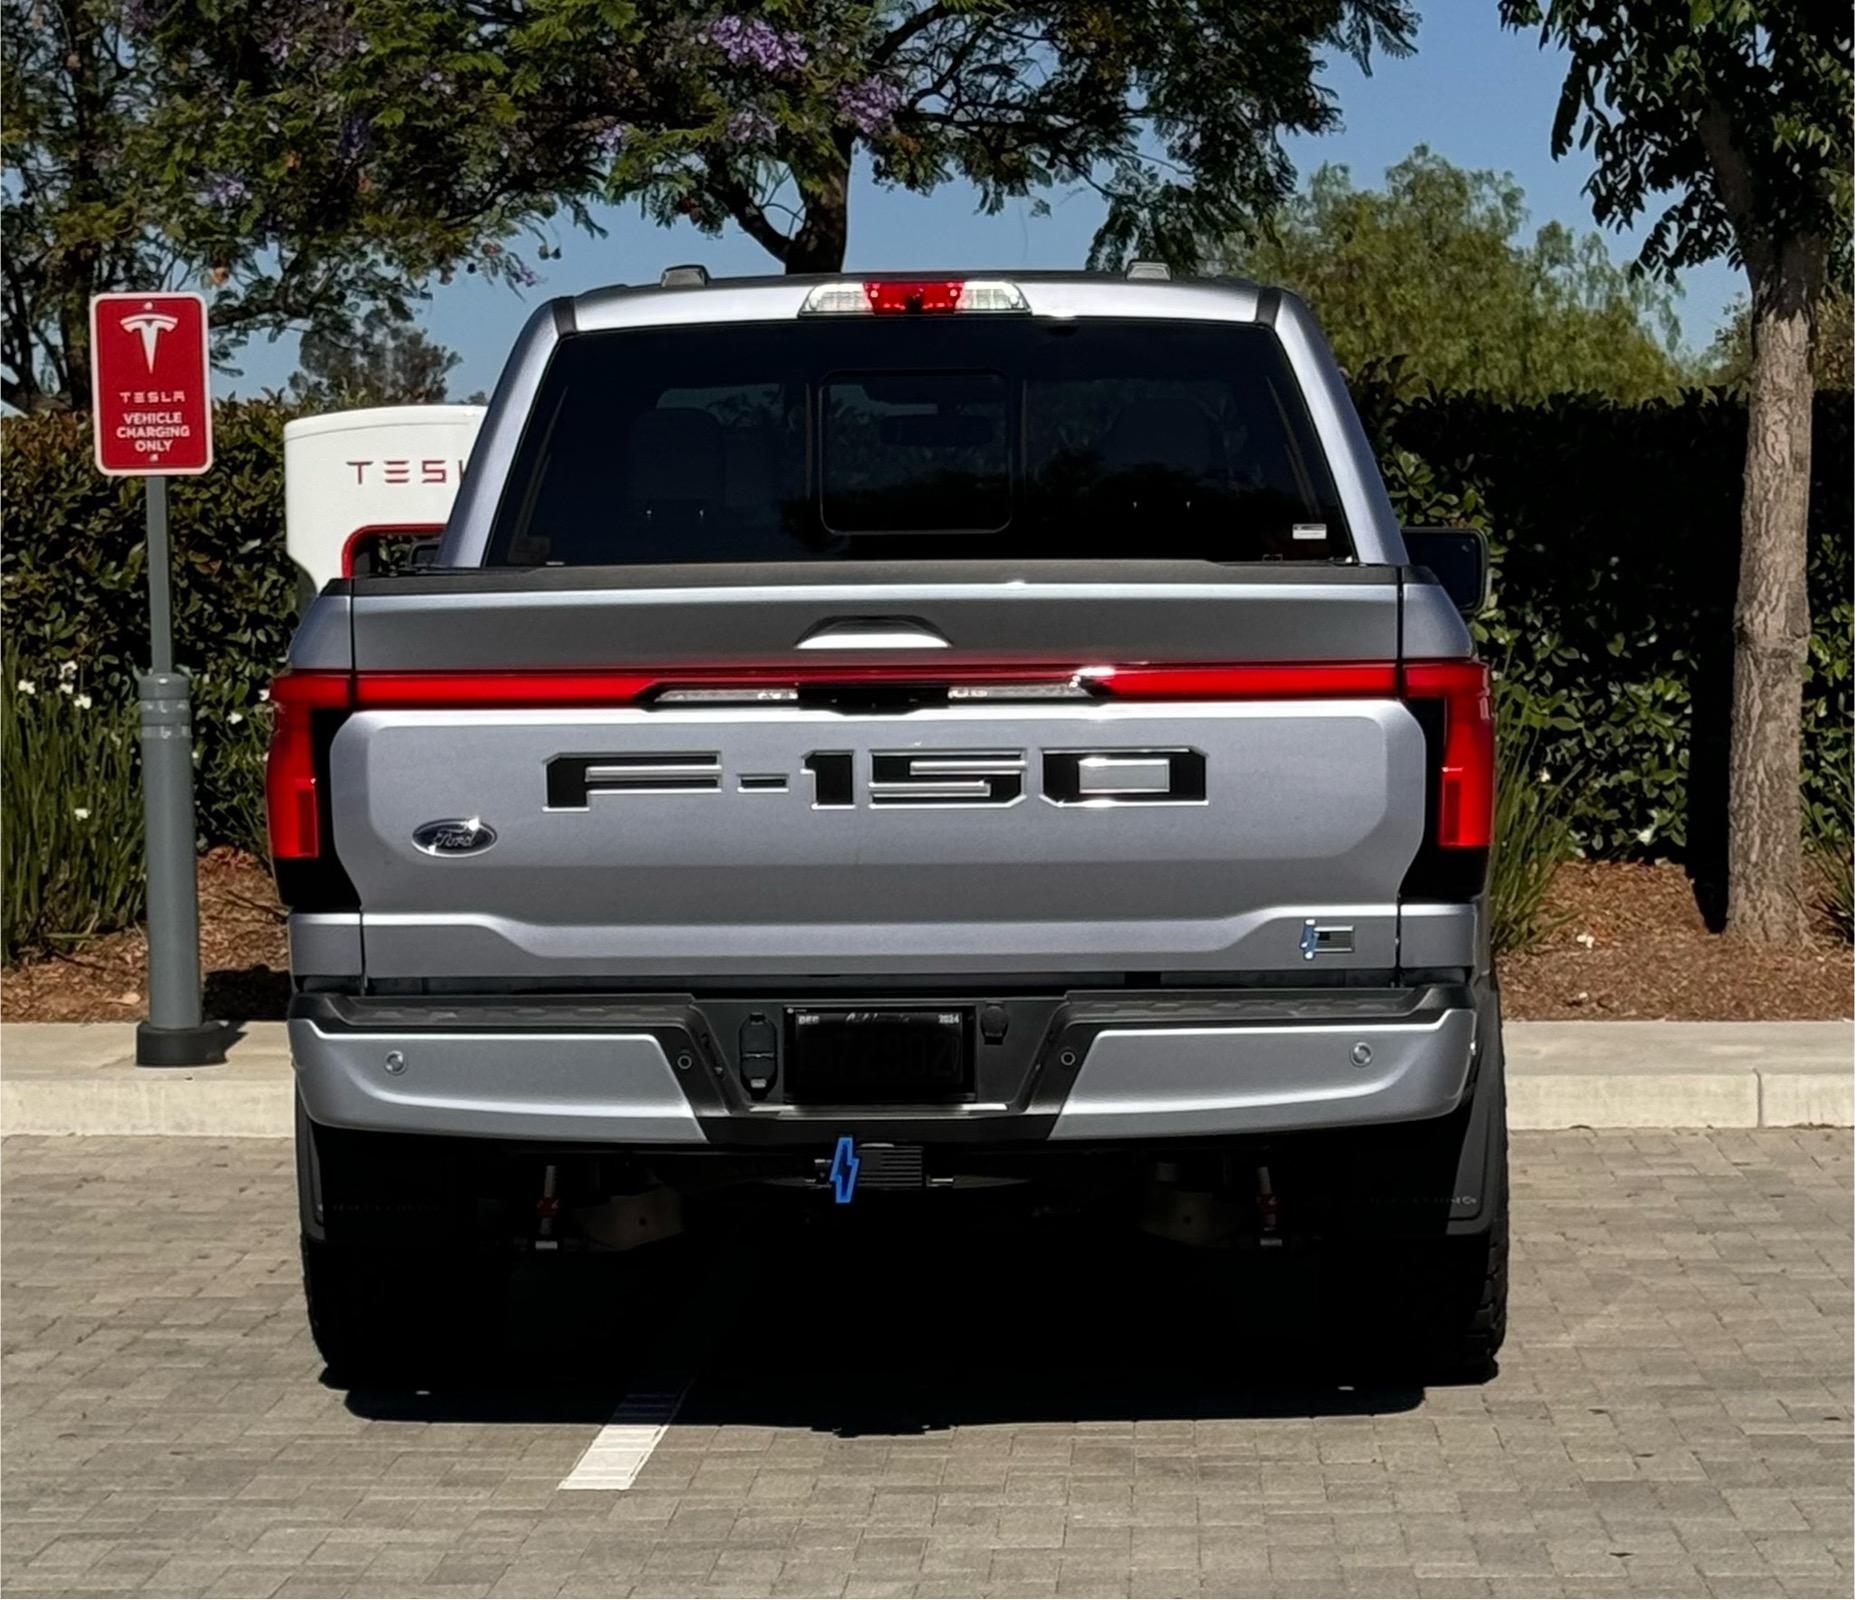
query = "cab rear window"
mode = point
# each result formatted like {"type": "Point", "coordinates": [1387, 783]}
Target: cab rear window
{"type": "Point", "coordinates": [908, 437]}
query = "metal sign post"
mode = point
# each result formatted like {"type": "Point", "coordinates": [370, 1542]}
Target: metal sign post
{"type": "Point", "coordinates": [153, 416]}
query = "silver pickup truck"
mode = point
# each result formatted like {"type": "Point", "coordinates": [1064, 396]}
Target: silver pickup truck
{"type": "Point", "coordinates": [900, 740]}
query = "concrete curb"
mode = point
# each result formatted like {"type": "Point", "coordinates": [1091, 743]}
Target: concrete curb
{"type": "Point", "coordinates": [80, 1078]}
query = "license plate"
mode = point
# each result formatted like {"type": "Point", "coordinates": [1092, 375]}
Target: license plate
{"type": "Point", "coordinates": [892, 1057]}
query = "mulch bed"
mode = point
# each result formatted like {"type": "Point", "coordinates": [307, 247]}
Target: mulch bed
{"type": "Point", "coordinates": [1630, 941]}
{"type": "Point", "coordinates": [244, 955]}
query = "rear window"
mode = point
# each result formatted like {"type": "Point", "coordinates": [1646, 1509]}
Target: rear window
{"type": "Point", "coordinates": [884, 438]}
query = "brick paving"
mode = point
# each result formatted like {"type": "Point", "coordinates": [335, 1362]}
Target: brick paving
{"type": "Point", "coordinates": [893, 1413]}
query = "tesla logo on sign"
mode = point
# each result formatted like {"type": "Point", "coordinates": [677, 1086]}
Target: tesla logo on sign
{"type": "Point", "coordinates": [150, 385]}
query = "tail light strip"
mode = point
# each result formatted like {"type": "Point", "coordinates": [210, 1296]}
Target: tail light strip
{"type": "Point", "coordinates": [1466, 793]}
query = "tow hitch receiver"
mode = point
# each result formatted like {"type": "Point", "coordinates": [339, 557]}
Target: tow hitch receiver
{"type": "Point", "coordinates": [852, 1166]}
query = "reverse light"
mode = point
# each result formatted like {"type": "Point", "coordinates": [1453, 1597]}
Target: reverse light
{"type": "Point", "coordinates": [913, 297]}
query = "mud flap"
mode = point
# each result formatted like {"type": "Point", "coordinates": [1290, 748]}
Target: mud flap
{"type": "Point", "coordinates": [1481, 1168]}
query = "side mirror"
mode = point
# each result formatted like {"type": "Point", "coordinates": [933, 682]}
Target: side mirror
{"type": "Point", "coordinates": [1458, 558]}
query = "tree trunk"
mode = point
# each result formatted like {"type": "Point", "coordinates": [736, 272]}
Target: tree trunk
{"type": "Point", "coordinates": [1771, 616]}
{"type": "Point", "coordinates": [820, 241]}
{"type": "Point", "coordinates": [822, 238]}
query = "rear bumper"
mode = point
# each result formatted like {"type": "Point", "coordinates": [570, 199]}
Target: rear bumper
{"type": "Point", "coordinates": [1096, 1066]}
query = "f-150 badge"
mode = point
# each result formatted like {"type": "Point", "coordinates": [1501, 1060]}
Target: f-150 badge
{"type": "Point", "coordinates": [918, 777]}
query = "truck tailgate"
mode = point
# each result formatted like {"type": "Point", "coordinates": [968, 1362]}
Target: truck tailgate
{"type": "Point", "coordinates": [677, 841]}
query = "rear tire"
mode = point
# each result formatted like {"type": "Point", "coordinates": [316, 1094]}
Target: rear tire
{"type": "Point", "coordinates": [401, 1288]}
{"type": "Point", "coordinates": [1433, 1307]}
{"type": "Point", "coordinates": [398, 1316]}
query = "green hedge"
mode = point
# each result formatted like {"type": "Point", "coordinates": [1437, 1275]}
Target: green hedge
{"type": "Point", "coordinates": [1616, 540]}
{"type": "Point", "coordinates": [74, 579]}
{"type": "Point", "coordinates": [1615, 530]}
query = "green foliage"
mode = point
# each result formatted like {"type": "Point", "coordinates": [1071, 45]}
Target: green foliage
{"type": "Point", "coordinates": [71, 850]}
{"type": "Point", "coordinates": [307, 161]}
{"type": "Point", "coordinates": [1434, 270]}
{"type": "Point", "coordinates": [1615, 534]}
{"type": "Point", "coordinates": [1732, 113]}
{"type": "Point", "coordinates": [73, 573]}
{"type": "Point", "coordinates": [1829, 831]}
{"type": "Point", "coordinates": [1728, 361]}
{"type": "Point", "coordinates": [312, 161]}
{"type": "Point", "coordinates": [1534, 826]}
{"type": "Point", "coordinates": [755, 114]}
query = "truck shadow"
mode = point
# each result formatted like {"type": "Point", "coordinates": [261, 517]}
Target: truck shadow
{"type": "Point", "coordinates": [869, 1327]}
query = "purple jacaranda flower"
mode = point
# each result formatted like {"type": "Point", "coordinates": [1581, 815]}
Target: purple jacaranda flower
{"type": "Point", "coordinates": [522, 273]}
{"type": "Point", "coordinates": [223, 189]}
{"type": "Point", "coordinates": [749, 126]}
{"type": "Point", "coordinates": [141, 17]}
{"type": "Point", "coordinates": [871, 104]}
{"type": "Point", "coordinates": [749, 40]}
{"type": "Point", "coordinates": [612, 137]}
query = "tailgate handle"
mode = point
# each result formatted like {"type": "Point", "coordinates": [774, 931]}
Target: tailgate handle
{"type": "Point", "coordinates": [874, 633]}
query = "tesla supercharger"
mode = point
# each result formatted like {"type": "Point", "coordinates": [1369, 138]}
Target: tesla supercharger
{"type": "Point", "coordinates": [353, 477]}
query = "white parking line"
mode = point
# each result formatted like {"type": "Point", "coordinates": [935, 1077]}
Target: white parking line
{"type": "Point", "coordinates": [618, 1453]}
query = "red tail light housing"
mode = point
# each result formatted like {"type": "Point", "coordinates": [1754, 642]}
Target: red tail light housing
{"type": "Point", "coordinates": [292, 771]}
{"type": "Point", "coordinates": [1465, 776]}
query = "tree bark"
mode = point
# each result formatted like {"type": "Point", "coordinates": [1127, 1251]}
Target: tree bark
{"type": "Point", "coordinates": [823, 237]}
{"type": "Point", "coordinates": [1771, 616]}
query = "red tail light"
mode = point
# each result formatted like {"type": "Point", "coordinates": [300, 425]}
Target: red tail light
{"type": "Point", "coordinates": [292, 805]}
{"type": "Point", "coordinates": [1465, 797]}
{"type": "Point", "coordinates": [1289, 680]}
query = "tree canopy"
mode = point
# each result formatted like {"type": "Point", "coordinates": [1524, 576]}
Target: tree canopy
{"type": "Point", "coordinates": [1171, 110]}
{"type": "Point", "coordinates": [1434, 271]}
{"type": "Point", "coordinates": [312, 159]}
{"type": "Point", "coordinates": [301, 160]}
{"type": "Point", "coordinates": [1730, 120]}
{"type": "Point", "coordinates": [382, 361]}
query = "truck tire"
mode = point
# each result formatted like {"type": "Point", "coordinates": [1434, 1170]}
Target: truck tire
{"type": "Point", "coordinates": [396, 1316]}
{"type": "Point", "coordinates": [1434, 1307]}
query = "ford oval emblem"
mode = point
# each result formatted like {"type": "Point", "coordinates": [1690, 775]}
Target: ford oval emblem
{"type": "Point", "coordinates": [454, 836]}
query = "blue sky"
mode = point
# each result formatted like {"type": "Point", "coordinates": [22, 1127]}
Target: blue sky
{"type": "Point", "coordinates": [1476, 94]}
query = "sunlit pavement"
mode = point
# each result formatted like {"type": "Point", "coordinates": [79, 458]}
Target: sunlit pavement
{"type": "Point", "coordinates": [881, 1408]}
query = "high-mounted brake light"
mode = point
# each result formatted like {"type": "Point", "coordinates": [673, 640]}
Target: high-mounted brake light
{"type": "Point", "coordinates": [890, 297]}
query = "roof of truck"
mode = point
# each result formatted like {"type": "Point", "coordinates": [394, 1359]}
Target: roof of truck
{"type": "Point", "coordinates": [685, 294]}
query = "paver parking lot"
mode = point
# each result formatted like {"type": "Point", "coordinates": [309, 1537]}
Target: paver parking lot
{"type": "Point", "coordinates": [883, 1410]}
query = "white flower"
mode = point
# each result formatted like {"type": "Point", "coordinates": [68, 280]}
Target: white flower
{"type": "Point", "coordinates": [26, 686]}
{"type": "Point", "coordinates": [1588, 940]}
{"type": "Point", "coordinates": [83, 702]}
{"type": "Point", "coordinates": [1646, 834]}
{"type": "Point", "coordinates": [236, 716]}
{"type": "Point", "coordinates": [82, 813]}
{"type": "Point", "coordinates": [1544, 775]}
{"type": "Point", "coordinates": [263, 695]}
{"type": "Point", "coordinates": [66, 671]}
{"type": "Point", "coordinates": [65, 686]}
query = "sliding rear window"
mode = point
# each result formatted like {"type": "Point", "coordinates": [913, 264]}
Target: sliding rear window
{"type": "Point", "coordinates": [881, 438]}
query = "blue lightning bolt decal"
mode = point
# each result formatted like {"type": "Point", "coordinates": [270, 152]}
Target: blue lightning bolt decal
{"type": "Point", "coordinates": [844, 1164]}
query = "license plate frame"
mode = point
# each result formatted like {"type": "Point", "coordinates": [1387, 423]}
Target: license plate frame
{"type": "Point", "coordinates": [879, 1055]}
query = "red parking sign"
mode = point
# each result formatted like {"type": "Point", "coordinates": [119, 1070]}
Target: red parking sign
{"type": "Point", "coordinates": [149, 383]}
